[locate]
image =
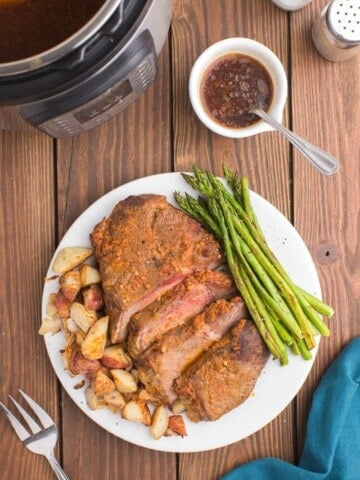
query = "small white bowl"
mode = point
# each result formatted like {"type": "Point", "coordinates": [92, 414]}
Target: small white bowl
{"type": "Point", "coordinates": [264, 56]}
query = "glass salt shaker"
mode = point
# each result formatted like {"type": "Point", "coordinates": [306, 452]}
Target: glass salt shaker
{"type": "Point", "coordinates": [291, 4]}
{"type": "Point", "coordinates": [336, 32]}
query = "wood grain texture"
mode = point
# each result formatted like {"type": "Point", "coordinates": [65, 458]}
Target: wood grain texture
{"type": "Point", "coordinates": [26, 245]}
{"type": "Point", "coordinates": [326, 110]}
{"type": "Point", "coordinates": [45, 185]}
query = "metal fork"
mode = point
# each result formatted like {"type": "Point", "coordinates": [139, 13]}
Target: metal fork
{"type": "Point", "coordinates": [42, 440]}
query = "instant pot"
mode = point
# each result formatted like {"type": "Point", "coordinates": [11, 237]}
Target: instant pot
{"type": "Point", "coordinates": [91, 76]}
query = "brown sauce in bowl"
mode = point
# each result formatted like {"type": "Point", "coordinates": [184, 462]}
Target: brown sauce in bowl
{"type": "Point", "coordinates": [33, 26]}
{"type": "Point", "coordinates": [231, 85]}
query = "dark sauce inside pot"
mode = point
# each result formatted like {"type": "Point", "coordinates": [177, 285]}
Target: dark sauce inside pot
{"type": "Point", "coordinates": [33, 26]}
{"type": "Point", "coordinates": [232, 85]}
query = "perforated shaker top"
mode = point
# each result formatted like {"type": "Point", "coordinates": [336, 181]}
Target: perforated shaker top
{"type": "Point", "coordinates": [343, 18]}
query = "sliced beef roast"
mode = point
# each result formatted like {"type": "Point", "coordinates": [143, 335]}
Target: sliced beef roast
{"type": "Point", "coordinates": [178, 305]}
{"type": "Point", "coordinates": [144, 248]}
{"type": "Point", "coordinates": [225, 375]}
{"type": "Point", "coordinates": [180, 347]}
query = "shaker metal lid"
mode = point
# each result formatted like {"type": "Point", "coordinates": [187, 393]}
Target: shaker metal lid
{"type": "Point", "coordinates": [343, 19]}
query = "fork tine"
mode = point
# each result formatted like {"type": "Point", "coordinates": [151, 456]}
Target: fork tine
{"type": "Point", "coordinates": [43, 416]}
{"type": "Point", "coordinates": [21, 432]}
{"type": "Point", "coordinates": [34, 427]}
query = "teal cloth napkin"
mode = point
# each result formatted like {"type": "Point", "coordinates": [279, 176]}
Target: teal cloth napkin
{"type": "Point", "coordinates": [332, 443]}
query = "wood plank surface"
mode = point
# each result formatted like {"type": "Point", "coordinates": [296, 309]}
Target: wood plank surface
{"type": "Point", "coordinates": [46, 184]}
{"type": "Point", "coordinates": [27, 242]}
{"type": "Point", "coordinates": [326, 110]}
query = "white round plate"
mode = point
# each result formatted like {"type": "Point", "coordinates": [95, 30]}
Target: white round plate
{"type": "Point", "coordinates": [276, 386]}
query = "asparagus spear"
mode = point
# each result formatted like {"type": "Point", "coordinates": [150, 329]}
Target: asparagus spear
{"type": "Point", "coordinates": [305, 352]}
{"type": "Point", "coordinates": [316, 303]}
{"type": "Point", "coordinates": [283, 312]}
{"type": "Point", "coordinates": [240, 188]}
{"type": "Point", "coordinates": [198, 211]}
{"type": "Point", "coordinates": [275, 346]}
{"type": "Point", "coordinates": [320, 306]}
{"type": "Point", "coordinates": [294, 297]}
{"type": "Point", "coordinates": [260, 259]}
{"type": "Point", "coordinates": [273, 299]}
{"type": "Point", "coordinates": [286, 291]}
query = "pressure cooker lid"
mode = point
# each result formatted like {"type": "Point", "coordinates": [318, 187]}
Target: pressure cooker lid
{"type": "Point", "coordinates": [96, 54]}
{"type": "Point", "coordinates": [68, 45]}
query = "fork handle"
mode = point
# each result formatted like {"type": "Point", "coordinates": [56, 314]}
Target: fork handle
{"type": "Point", "coordinates": [55, 465]}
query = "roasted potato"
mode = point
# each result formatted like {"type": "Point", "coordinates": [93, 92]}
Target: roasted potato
{"type": "Point", "coordinates": [177, 407]}
{"type": "Point", "coordinates": [137, 411]}
{"type": "Point", "coordinates": [71, 326]}
{"type": "Point", "coordinates": [89, 275]}
{"type": "Point", "coordinates": [115, 400]}
{"type": "Point", "coordinates": [70, 257]}
{"type": "Point", "coordinates": [124, 381]}
{"type": "Point", "coordinates": [146, 396]}
{"type": "Point", "coordinates": [50, 325]}
{"type": "Point", "coordinates": [93, 400]}
{"type": "Point", "coordinates": [68, 351]}
{"type": "Point", "coordinates": [94, 344]}
{"type": "Point", "coordinates": [93, 298]}
{"type": "Point", "coordinates": [70, 284]}
{"type": "Point", "coordinates": [102, 384]}
{"type": "Point", "coordinates": [62, 305]}
{"type": "Point", "coordinates": [52, 322]}
{"type": "Point", "coordinates": [82, 316]}
{"type": "Point", "coordinates": [78, 364]}
{"type": "Point", "coordinates": [80, 337]}
{"type": "Point", "coordinates": [50, 307]}
{"type": "Point", "coordinates": [115, 357]}
{"type": "Point", "coordinates": [159, 422]}
{"type": "Point", "coordinates": [177, 425]}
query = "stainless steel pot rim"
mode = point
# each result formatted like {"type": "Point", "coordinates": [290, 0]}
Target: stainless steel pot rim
{"type": "Point", "coordinates": [70, 44]}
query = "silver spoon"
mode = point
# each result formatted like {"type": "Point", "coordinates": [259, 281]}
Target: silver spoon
{"type": "Point", "coordinates": [323, 161]}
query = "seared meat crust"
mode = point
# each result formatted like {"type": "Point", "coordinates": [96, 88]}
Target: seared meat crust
{"type": "Point", "coordinates": [180, 347]}
{"type": "Point", "coordinates": [144, 248]}
{"type": "Point", "coordinates": [225, 375]}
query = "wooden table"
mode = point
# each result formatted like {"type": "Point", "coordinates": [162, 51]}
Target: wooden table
{"type": "Point", "coordinates": [47, 183]}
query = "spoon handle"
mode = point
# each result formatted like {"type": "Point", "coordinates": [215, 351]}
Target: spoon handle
{"type": "Point", "coordinates": [323, 161]}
